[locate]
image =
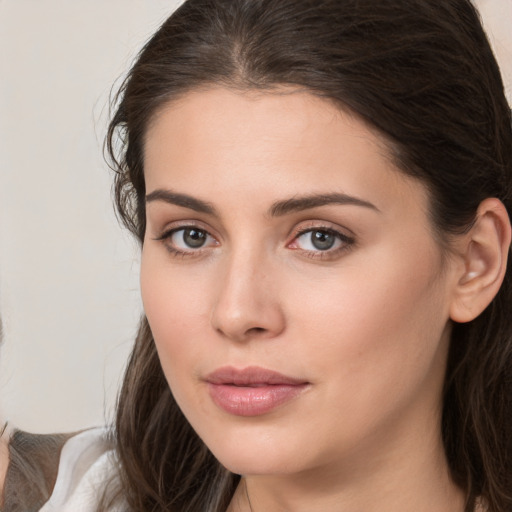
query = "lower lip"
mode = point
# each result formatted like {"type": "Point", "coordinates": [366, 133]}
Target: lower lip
{"type": "Point", "coordinates": [252, 401]}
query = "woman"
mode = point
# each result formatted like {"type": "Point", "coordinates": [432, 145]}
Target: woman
{"type": "Point", "coordinates": [321, 192]}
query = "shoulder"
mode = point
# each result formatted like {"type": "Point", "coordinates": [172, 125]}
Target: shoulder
{"type": "Point", "coordinates": [87, 471]}
{"type": "Point", "coordinates": [52, 471]}
{"type": "Point", "coordinates": [32, 468]}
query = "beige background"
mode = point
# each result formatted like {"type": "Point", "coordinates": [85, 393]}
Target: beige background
{"type": "Point", "coordinates": [68, 274]}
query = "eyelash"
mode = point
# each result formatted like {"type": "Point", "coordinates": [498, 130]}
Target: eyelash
{"type": "Point", "coordinates": [345, 242]}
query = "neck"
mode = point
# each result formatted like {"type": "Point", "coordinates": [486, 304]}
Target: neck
{"type": "Point", "coordinates": [409, 474]}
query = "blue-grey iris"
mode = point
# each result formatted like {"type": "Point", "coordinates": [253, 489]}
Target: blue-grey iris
{"type": "Point", "coordinates": [322, 240]}
{"type": "Point", "coordinates": [194, 238]}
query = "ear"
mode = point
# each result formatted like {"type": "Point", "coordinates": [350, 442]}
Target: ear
{"type": "Point", "coordinates": [484, 252]}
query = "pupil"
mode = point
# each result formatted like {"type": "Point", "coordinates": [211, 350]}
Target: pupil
{"type": "Point", "coordinates": [194, 238]}
{"type": "Point", "coordinates": [322, 240]}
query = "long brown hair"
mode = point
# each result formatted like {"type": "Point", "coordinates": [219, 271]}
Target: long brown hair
{"type": "Point", "coordinates": [423, 74]}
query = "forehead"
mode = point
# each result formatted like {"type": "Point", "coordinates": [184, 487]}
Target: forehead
{"type": "Point", "coordinates": [287, 140]}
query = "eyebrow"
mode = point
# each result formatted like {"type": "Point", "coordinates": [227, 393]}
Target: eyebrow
{"type": "Point", "coordinates": [183, 200]}
{"type": "Point", "coordinates": [297, 204]}
{"type": "Point", "coordinates": [278, 209]}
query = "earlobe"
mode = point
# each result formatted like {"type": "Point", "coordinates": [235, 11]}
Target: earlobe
{"type": "Point", "coordinates": [484, 251]}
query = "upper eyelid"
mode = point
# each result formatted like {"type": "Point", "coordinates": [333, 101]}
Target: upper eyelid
{"type": "Point", "coordinates": [168, 232]}
{"type": "Point", "coordinates": [322, 228]}
{"type": "Point", "coordinates": [341, 236]}
{"type": "Point", "coordinates": [345, 239]}
{"type": "Point", "coordinates": [174, 226]}
{"type": "Point", "coordinates": [321, 225]}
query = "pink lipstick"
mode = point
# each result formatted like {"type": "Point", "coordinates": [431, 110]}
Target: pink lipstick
{"type": "Point", "coordinates": [252, 391]}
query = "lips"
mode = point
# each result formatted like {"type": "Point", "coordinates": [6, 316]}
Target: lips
{"type": "Point", "coordinates": [252, 391]}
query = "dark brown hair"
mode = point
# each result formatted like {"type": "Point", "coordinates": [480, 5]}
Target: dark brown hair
{"type": "Point", "coordinates": [419, 71]}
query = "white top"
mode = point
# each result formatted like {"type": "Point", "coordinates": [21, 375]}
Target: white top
{"type": "Point", "coordinates": [87, 464]}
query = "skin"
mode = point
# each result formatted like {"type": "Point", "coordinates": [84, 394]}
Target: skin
{"type": "Point", "coordinates": [366, 324]}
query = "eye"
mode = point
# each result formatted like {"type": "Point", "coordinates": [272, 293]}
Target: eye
{"type": "Point", "coordinates": [321, 240]}
{"type": "Point", "coordinates": [187, 239]}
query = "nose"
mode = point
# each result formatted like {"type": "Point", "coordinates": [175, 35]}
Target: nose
{"type": "Point", "coordinates": [247, 304]}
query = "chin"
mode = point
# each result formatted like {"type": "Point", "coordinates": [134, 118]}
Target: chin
{"type": "Point", "coordinates": [258, 453]}
{"type": "Point", "coordinates": [259, 464]}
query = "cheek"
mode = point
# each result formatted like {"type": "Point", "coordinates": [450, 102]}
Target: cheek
{"type": "Point", "coordinates": [175, 306]}
{"type": "Point", "coordinates": [377, 328]}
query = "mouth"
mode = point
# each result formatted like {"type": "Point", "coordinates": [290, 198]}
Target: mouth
{"type": "Point", "coordinates": [252, 391]}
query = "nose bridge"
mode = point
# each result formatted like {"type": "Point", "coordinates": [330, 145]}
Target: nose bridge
{"type": "Point", "coordinates": [246, 303]}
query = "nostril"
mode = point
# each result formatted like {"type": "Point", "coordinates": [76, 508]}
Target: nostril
{"type": "Point", "coordinates": [255, 330]}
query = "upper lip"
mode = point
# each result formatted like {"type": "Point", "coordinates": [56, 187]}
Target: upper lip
{"type": "Point", "coordinates": [251, 376]}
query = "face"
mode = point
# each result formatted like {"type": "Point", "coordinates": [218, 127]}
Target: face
{"type": "Point", "coordinates": [296, 294]}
